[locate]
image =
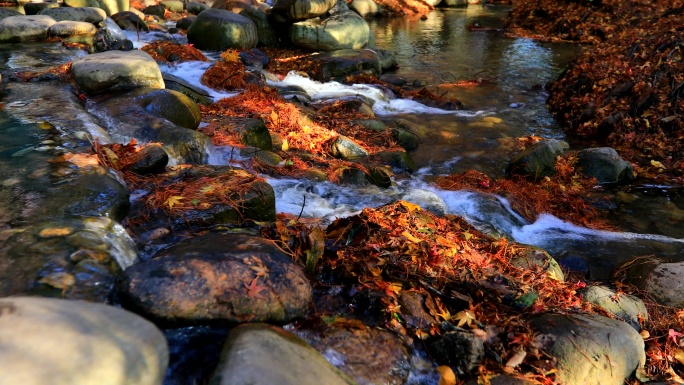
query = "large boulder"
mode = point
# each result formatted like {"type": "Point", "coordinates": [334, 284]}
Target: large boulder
{"type": "Point", "coordinates": [345, 30]}
{"type": "Point", "coordinates": [114, 70]}
{"type": "Point", "coordinates": [16, 29]}
{"type": "Point", "coordinates": [626, 307]}
{"type": "Point", "coordinates": [268, 37]}
{"type": "Point", "coordinates": [86, 14]}
{"type": "Point", "coordinates": [662, 281]}
{"type": "Point", "coordinates": [604, 164]}
{"type": "Point", "coordinates": [590, 349]}
{"type": "Point", "coordinates": [343, 62]}
{"type": "Point", "coordinates": [172, 106]}
{"type": "Point", "coordinates": [260, 354]}
{"type": "Point", "coordinates": [228, 277]}
{"type": "Point", "coordinates": [62, 342]}
{"type": "Point", "coordinates": [538, 160]}
{"type": "Point", "coordinates": [288, 11]}
{"type": "Point", "coordinates": [112, 7]}
{"type": "Point", "coordinates": [72, 28]}
{"type": "Point", "coordinates": [219, 30]}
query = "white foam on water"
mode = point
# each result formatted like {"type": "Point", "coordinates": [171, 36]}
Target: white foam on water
{"type": "Point", "coordinates": [191, 72]}
{"type": "Point", "coordinates": [384, 104]}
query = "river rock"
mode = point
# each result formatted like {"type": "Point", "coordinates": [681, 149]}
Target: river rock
{"type": "Point", "coordinates": [172, 106]}
{"type": "Point", "coordinates": [538, 160]}
{"type": "Point", "coordinates": [368, 355]}
{"type": "Point", "coordinates": [504, 379]}
{"type": "Point", "coordinates": [60, 342]}
{"type": "Point", "coordinates": [109, 35]}
{"type": "Point", "coordinates": [16, 29]}
{"type": "Point", "coordinates": [454, 3]}
{"type": "Point", "coordinates": [7, 12]}
{"type": "Point", "coordinates": [152, 160]}
{"type": "Point", "coordinates": [461, 350]}
{"type": "Point", "coordinates": [173, 5]}
{"type": "Point", "coordinates": [427, 200]}
{"type": "Point", "coordinates": [195, 8]}
{"type": "Point", "coordinates": [345, 30]}
{"type": "Point", "coordinates": [343, 62]}
{"type": "Point", "coordinates": [252, 132]}
{"type": "Point", "coordinates": [532, 257]}
{"type": "Point", "coordinates": [604, 164]}
{"type": "Point", "coordinates": [114, 70]}
{"type": "Point", "coordinates": [72, 28]}
{"type": "Point", "coordinates": [157, 10]}
{"type": "Point", "coordinates": [235, 6]}
{"type": "Point", "coordinates": [624, 306]}
{"type": "Point", "coordinates": [112, 7]}
{"type": "Point", "coordinates": [130, 21]}
{"type": "Point", "coordinates": [404, 136]}
{"type": "Point", "coordinates": [228, 277]}
{"type": "Point", "coordinates": [288, 11]}
{"type": "Point", "coordinates": [185, 23]}
{"type": "Point", "coordinates": [219, 30]}
{"type": "Point", "coordinates": [261, 354]}
{"type": "Point", "coordinates": [347, 149]}
{"type": "Point", "coordinates": [82, 3]}
{"type": "Point", "coordinates": [397, 159]}
{"type": "Point", "coordinates": [34, 8]}
{"type": "Point", "coordinates": [590, 349]}
{"type": "Point", "coordinates": [268, 37]}
{"type": "Point", "coordinates": [86, 14]}
{"type": "Point", "coordinates": [660, 280]}
{"type": "Point", "coordinates": [366, 7]}
{"type": "Point", "coordinates": [195, 93]}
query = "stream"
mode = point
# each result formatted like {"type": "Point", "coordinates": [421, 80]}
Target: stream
{"type": "Point", "coordinates": [508, 103]}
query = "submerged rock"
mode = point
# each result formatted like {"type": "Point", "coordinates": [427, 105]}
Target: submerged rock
{"type": "Point", "coordinates": [113, 70]}
{"type": "Point", "coordinates": [590, 349]}
{"type": "Point", "coordinates": [61, 342]}
{"type": "Point", "coordinates": [219, 30]}
{"type": "Point", "coordinates": [260, 354]}
{"type": "Point", "coordinates": [220, 277]}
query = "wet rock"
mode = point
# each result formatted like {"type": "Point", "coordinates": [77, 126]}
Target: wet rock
{"type": "Point", "coordinates": [347, 149]}
{"type": "Point", "coordinates": [130, 21]}
{"type": "Point", "coordinates": [195, 8]}
{"type": "Point", "coordinates": [366, 7]}
{"type": "Point", "coordinates": [368, 355]}
{"type": "Point", "coordinates": [624, 306]}
{"type": "Point", "coordinates": [604, 164]}
{"type": "Point", "coordinates": [72, 28]}
{"type": "Point", "coordinates": [343, 62]}
{"type": "Point", "coordinates": [184, 145]}
{"type": "Point", "coordinates": [394, 79]}
{"type": "Point", "coordinates": [372, 124]}
{"type": "Point", "coordinates": [269, 158]}
{"type": "Point", "coordinates": [261, 354]}
{"type": "Point", "coordinates": [254, 58]}
{"type": "Point", "coordinates": [92, 194]}
{"type": "Point", "coordinates": [34, 8]}
{"type": "Point", "coordinates": [7, 12]}
{"type": "Point", "coordinates": [590, 349]}
{"type": "Point", "coordinates": [185, 23]}
{"type": "Point", "coordinates": [235, 6]}
{"type": "Point", "coordinates": [287, 11]}
{"type": "Point", "coordinates": [16, 29]}
{"type": "Point", "coordinates": [268, 37]}
{"type": "Point", "coordinates": [380, 176]}
{"type": "Point", "coordinates": [538, 160]}
{"type": "Point", "coordinates": [388, 59]}
{"type": "Point", "coordinates": [252, 132]}
{"type": "Point", "coordinates": [398, 159]}
{"type": "Point", "coordinates": [155, 10]}
{"type": "Point", "coordinates": [85, 14]}
{"type": "Point", "coordinates": [172, 106]}
{"type": "Point", "coordinates": [351, 176]}
{"type": "Point", "coordinates": [405, 137]}
{"type": "Point", "coordinates": [461, 350]}
{"type": "Point", "coordinates": [59, 342]}
{"type": "Point", "coordinates": [198, 95]}
{"type": "Point", "coordinates": [112, 7]}
{"type": "Point", "coordinates": [427, 200]}
{"type": "Point", "coordinates": [219, 30]}
{"type": "Point", "coordinates": [153, 160]}
{"type": "Point", "coordinates": [533, 257]}
{"type": "Point", "coordinates": [346, 30]}
{"type": "Point", "coordinates": [660, 280]}
{"type": "Point", "coordinates": [173, 5]}
{"type": "Point", "coordinates": [109, 35]}
{"type": "Point", "coordinates": [227, 277]}
{"type": "Point", "coordinates": [113, 70]}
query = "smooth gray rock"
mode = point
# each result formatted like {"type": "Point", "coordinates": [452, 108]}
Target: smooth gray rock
{"type": "Point", "coordinates": [112, 7]}
{"type": "Point", "coordinates": [87, 14]}
{"type": "Point", "coordinates": [185, 23]}
{"type": "Point", "coordinates": [343, 62]}
{"type": "Point", "coordinates": [7, 12]}
{"type": "Point", "coordinates": [604, 164]}
{"type": "Point", "coordinates": [173, 5]}
{"type": "Point", "coordinates": [268, 37]}
{"type": "Point", "coordinates": [229, 277]}
{"type": "Point", "coordinates": [624, 306]}
{"type": "Point", "coordinates": [114, 70]}
{"type": "Point", "coordinates": [347, 149]}
{"type": "Point", "coordinates": [153, 160]}
{"type": "Point", "coordinates": [63, 342]}
{"type": "Point", "coordinates": [195, 93]}
{"type": "Point", "coordinates": [366, 7]}
{"type": "Point", "coordinates": [219, 30]}
{"type": "Point", "coordinates": [538, 160]}
{"type": "Point", "coordinates": [172, 106]}
{"type": "Point", "coordinates": [663, 281]}
{"type": "Point", "coordinates": [260, 354]}
{"type": "Point", "coordinates": [346, 30]}
{"type": "Point", "coordinates": [16, 29]}
{"type": "Point", "coordinates": [195, 8]}
{"type": "Point", "coordinates": [590, 349]}
{"type": "Point", "coordinates": [72, 28]}
{"type": "Point", "coordinates": [288, 11]}
{"type": "Point", "coordinates": [82, 3]}
{"type": "Point", "coordinates": [35, 8]}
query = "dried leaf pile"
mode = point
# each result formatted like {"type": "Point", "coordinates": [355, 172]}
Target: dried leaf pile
{"type": "Point", "coordinates": [167, 51]}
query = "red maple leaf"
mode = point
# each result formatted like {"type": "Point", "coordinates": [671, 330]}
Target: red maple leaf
{"type": "Point", "coordinates": [673, 334]}
{"type": "Point", "coordinates": [254, 290]}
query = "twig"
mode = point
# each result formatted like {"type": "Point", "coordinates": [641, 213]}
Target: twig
{"type": "Point", "coordinates": [302, 210]}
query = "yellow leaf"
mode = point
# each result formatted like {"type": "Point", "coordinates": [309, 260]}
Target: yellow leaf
{"type": "Point", "coordinates": [55, 232]}
{"type": "Point", "coordinates": [207, 189]}
{"type": "Point", "coordinates": [173, 200]}
{"type": "Point", "coordinates": [655, 163]}
{"type": "Point", "coordinates": [410, 237]}
{"type": "Point", "coordinates": [464, 318]}
{"type": "Point", "coordinates": [396, 287]}
{"type": "Point", "coordinates": [467, 235]}
{"type": "Point", "coordinates": [274, 117]}
{"type": "Point", "coordinates": [446, 375]}
{"type": "Point", "coordinates": [81, 160]}
{"type": "Point", "coordinates": [230, 56]}
{"type": "Point", "coordinates": [285, 145]}
{"type": "Point", "coordinates": [411, 207]}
